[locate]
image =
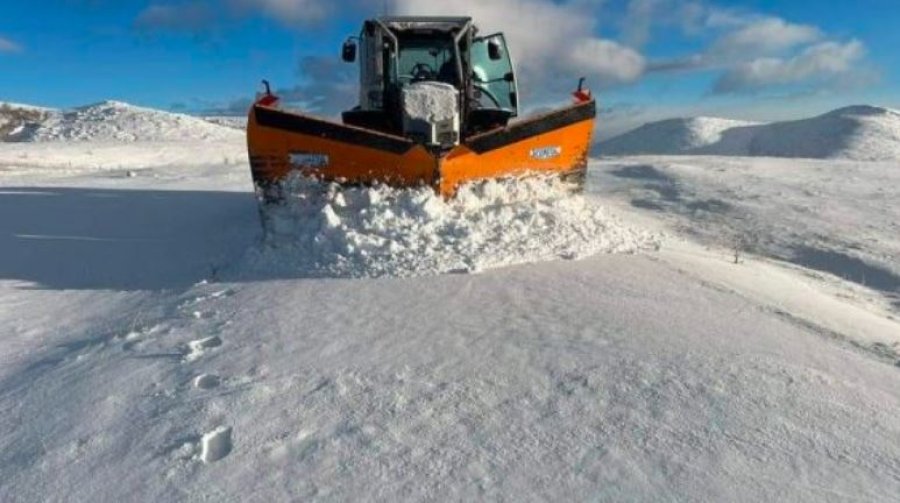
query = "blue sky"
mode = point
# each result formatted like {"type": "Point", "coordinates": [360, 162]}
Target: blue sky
{"type": "Point", "coordinates": [647, 59]}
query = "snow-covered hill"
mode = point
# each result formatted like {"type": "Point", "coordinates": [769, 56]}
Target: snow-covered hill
{"type": "Point", "coordinates": [15, 118]}
{"type": "Point", "coordinates": [671, 136]}
{"type": "Point", "coordinates": [862, 133]}
{"type": "Point", "coordinates": [113, 121]}
{"type": "Point", "coordinates": [111, 137]}
{"type": "Point", "coordinates": [228, 121]}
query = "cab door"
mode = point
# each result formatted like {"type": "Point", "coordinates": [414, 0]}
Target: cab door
{"type": "Point", "coordinates": [493, 76]}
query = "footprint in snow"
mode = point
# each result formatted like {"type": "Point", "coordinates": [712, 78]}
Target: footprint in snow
{"type": "Point", "coordinates": [220, 294]}
{"type": "Point", "coordinates": [137, 336]}
{"type": "Point", "coordinates": [206, 381]}
{"type": "Point", "coordinates": [199, 347]}
{"type": "Point", "coordinates": [216, 444]}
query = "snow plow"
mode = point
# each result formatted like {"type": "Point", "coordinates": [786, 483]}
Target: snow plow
{"type": "Point", "coordinates": [438, 106]}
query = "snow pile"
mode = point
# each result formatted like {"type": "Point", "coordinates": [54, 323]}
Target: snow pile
{"type": "Point", "coordinates": [863, 133]}
{"type": "Point", "coordinates": [672, 136]}
{"type": "Point", "coordinates": [121, 122]}
{"type": "Point", "coordinates": [430, 101]}
{"type": "Point", "coordinates": [382, 231]}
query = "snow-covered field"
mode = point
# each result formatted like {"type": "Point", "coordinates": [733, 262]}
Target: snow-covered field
{"type": "Point", "coordinates": [155, 347]}
{"type": "Point", "coordinates": [837, 217]}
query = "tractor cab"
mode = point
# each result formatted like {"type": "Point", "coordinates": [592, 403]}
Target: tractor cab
{"type": "Point", "coordinates": [431, 79]}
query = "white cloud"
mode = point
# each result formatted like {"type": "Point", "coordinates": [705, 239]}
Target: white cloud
{"type": "Point", "coordinates": [741, 37]}
{"type": "Point", "coordinates": [825, 61]}
{"type": "Point", "coordinates": [185, 17]}
{"type": "Point", "coordinates": [639, 19]}
{"type": "Point", "coordinates": [606, 58]}
{"type": "Point", "coordinates": [329, 86]}
{"type": "Point", "coordinates": [288, 12]}
{"type": "Point", "coordinates": [753, 53]}
{"type": "Point", "coordinates": [642, 16]}
{"type": "Point", "coordinates": [8, 46]}
{"type": "Point", "coordinates": [553, 43]}
{"type": "Point", "coordinates": [197, 15]}
{"type": "Point", "coordinates": [764, 36]}
{"type": "Point", "coordinates": [725, 18]}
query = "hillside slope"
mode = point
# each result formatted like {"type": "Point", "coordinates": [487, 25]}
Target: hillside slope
{"type": "Point", "coordinates": [113, 121]}
{"type": "Point", "coordinates": [860, 133]}
{"type": "Point", "coordinates": [673, 135]}
{"type": "Point", "coordinates": [15, 119]}
{"type": "Point", "coordinates": [863, 133]}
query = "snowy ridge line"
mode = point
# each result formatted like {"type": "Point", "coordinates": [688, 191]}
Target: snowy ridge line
{"type": "Point", "coordinates": [120, 122]}
{"type": "Point", "coordinates": [23, 106]}
{"type": "Point", "coordinates": [327, 230]}
{"type": "Point", "coordinates": [863, 133]}
{"type": "Point", "coordinates": [233, 122]}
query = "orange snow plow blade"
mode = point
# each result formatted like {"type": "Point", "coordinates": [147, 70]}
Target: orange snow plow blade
{"type": "Point", "coordinates": [281, 142]}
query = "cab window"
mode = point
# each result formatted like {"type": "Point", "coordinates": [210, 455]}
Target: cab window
{"type": "Point", "coordinates": [492, 74]}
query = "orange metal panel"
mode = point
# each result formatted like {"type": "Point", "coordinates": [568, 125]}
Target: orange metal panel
{"type": "Point", "coordinates": [357, 155]}
{"type": "Point", "coordinates": [561, 151]}
{"type": "Point", "coordinates": [270, 149]}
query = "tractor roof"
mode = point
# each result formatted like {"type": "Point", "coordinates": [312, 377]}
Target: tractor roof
{"type": "Point", "coordinates": [439, 23]}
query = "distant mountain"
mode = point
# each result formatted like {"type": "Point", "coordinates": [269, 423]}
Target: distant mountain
{"type": "Point", "coordinates": [857, 132]}
{"type": "Point", "coordinates": [671, 136]}
{"type": "Point", "coordinates": [110, 121]}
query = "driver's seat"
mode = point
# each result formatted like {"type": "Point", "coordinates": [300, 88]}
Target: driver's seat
{"type": "Point", "coordinates": [447, 73]}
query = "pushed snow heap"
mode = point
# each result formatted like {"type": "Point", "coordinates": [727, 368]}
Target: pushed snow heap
{"type": "Point", "coordinates": [121, 122]}
{"type": "Point", "coordinates": [385, 231]}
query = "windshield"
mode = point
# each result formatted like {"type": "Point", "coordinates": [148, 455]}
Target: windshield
{"type": "Point", "coordinates": [426, 58]}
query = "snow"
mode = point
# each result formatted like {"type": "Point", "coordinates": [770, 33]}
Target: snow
{"type": "Point", "coordinates": [381, 231]}
{"type": "Point", "coordinates": [672, 136]}
{"type": "Point", "coordinates": [111, 158]}
{"type": "Point", "coordinates": [147, 355]}
{"type": "Point", "coordinates": [861, 133]}
{"type": "Point", "coordinates": [114, 121]}
{"type": "Point", "coordinates": [838, 217]}
{"type": "Point", "coordinates": [216, 444]}
{"type": "Point", "coordinates": [23, 106]}
{"type": "Point", "coordinates": [15, 118]}
{"type": "Point", "coordinates": [864, 133]}
{"type": "Point", "coordinates": [430, 101]}
{"type": "Point", "coordinates": [228, 121]}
